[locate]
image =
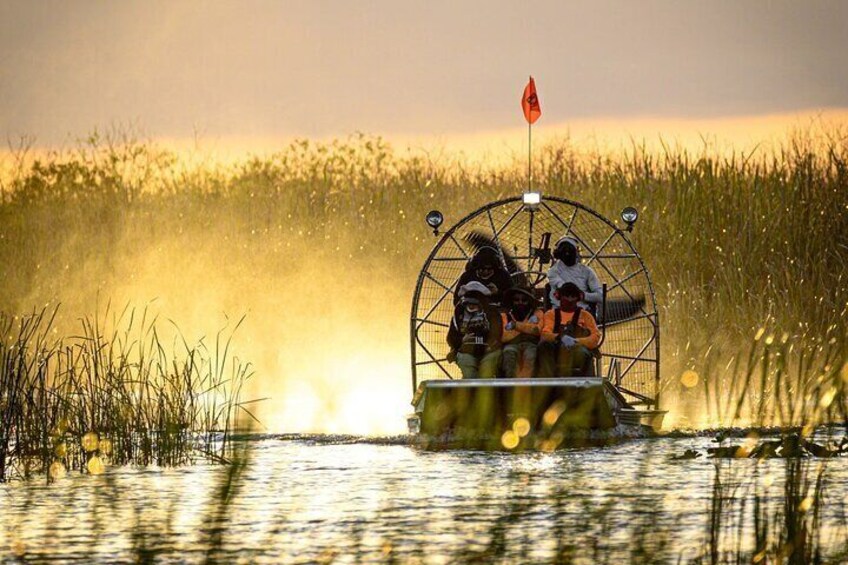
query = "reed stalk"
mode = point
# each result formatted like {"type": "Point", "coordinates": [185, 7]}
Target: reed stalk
{"type": "Point", "coordinates": [113, 395]}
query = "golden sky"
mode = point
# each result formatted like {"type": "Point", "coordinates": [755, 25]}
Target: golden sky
{"type": "Point", "coordinates": [274, 70]}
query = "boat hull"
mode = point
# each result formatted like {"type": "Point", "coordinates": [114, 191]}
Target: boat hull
{"type": "Point", "coordinates": [490, 407]}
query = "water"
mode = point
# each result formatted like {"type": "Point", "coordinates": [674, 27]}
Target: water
{"type": "Point", "coordinates": [314, 499]}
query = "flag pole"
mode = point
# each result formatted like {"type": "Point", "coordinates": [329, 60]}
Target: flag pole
{"type": "Point", "coordinates": [529, 154]}
{"type": "Point", "coordinates": [529, 103]}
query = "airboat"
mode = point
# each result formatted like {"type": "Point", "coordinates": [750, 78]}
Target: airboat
{"type": "Point", "coordinates": [622, 390]}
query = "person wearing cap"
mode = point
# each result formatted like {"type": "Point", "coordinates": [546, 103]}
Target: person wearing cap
{"type": "Point", "coordinates": [474, 336]}
{"type": "Point", "coordinates": [568, 268]}
{"type": "Point", "coordinates": [486, 267]}
{"type": "Point", "coordinates": [569, 337]}
{"type": "Point", "coordinates": [522, 322]}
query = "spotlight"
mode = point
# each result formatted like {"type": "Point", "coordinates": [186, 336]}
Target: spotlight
{"type": "Point", "coordinates": [532, 200]}
{"type": "Point", "coordinates": [434, 219]}
{"type": "Point", "coordinates": [629, 216]}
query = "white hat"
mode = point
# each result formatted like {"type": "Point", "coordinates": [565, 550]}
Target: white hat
{"type": "Point", "coordinates": [567, 239]}
{"type": "Point", "coordinates": [474, 286]}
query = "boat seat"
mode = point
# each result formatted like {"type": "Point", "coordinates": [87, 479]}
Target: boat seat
{"type": "Point", "coordinates": [546, 297]}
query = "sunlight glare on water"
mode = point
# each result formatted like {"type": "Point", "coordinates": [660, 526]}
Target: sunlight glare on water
{"type": "Point", "coordinates": [314, 498]}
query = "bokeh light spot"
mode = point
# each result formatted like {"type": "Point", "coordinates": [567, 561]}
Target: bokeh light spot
{"type": "Point", "coordinates": [689, 378]}
{"type": "Point", "coordinates": [521, 427]}
{"type": "Point", "coordinates": [105, 446]}
{"type": "Point", "coordinates": [509, 439]}
{"type": "Point", "coordinates": [827, 398]}
{"type": "Point", "coordinates": [95, 466]}
{"type": "Point", "coordinates": [90, 442]}
{"type": "Point", "coordinates": [57, 470]}
{"type": "Point", "coordinates": [553, 413]}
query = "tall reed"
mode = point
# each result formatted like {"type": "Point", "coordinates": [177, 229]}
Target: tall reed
{"type": "Point", "coordinates": [113, 393]}
{"type": "Point", "coordinates": [729, 240]}
{"type": "Point", "coordinates": [772, 511]}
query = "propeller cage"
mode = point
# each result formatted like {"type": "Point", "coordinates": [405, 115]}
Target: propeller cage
{"type": "Point", "coordinates": [523, 237]}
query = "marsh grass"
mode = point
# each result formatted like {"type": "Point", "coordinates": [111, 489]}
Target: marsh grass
{"type": "Point", "coordinates": [756, 518]}
{"type": "Point", "coordinates": [770, 509]}
{"type": "Point", "coordinates": [734, 243]}
{"type": "Point", "coordinates": [113, 393]}
{"type": "Point", "coordinates": [748, 254]}
{"type": "Point", "coordinates": [786, 382]}
{"type": "Point", "coordinates": [797, 389]}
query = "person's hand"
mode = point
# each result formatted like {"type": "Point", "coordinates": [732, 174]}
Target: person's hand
{"type": "Point", "coordinates": [533, 319]}
{"type": "Point", "coordinates": [510, 325]}
{"type": "Point", "coordinates": [493, 287]}
{"type": "Point", "coordinates": [451, 356]}
{"type": "Point", "coordinates": [567, 341]}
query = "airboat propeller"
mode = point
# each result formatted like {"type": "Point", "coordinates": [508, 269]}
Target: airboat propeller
{"type": "Point", "coordinates": [521, 230]}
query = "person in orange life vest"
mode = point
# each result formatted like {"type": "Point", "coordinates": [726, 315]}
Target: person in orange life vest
{"type": "Point", "coordinates": [569, 337]}
{"type": "Point", "coordinates": [522, 327]}
{"type": "Point", "coordinates": [475, 333]}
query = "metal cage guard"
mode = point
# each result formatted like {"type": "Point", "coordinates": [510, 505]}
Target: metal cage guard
{"type": "Point", "coordinates": [607, 248]}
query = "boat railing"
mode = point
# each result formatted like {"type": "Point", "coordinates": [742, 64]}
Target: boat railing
{"type": "Point", "coordinates": [614, 372]}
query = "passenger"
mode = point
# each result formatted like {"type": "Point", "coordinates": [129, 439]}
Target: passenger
{"type": "Point", "coordinates": [522, 328]}
{"type": "Point", "coordinates": [486, 268]}
{"type": "Point", "coordinates": [568, 268]}
{"type": "Point", "coordinates": [475, 333]}
{"type": "Point", "coordinates": [570, 337]}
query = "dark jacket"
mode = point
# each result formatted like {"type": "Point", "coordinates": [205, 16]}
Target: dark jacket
{"type": "Point", "coordinates": [459, 333]}
{"type": "Point", "coordinates": [500, 278]}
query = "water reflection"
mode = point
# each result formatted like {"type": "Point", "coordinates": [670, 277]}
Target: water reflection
{"type": "Point", "coordinates": [305, 501]}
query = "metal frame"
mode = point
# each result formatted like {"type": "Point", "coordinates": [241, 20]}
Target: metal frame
{"type": "Point", "coordinates": [596, 256]}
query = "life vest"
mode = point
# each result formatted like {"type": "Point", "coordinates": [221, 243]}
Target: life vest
{"type": "Point", "coordinates": [572, 328]}
{"type": "Point", "coordinates": [523, 337]}
{"type": "Point", "coordinates": [475, 332]}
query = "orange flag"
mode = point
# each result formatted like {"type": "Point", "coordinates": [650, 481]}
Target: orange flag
{"type": "Point", "coordinates": [530, 103]}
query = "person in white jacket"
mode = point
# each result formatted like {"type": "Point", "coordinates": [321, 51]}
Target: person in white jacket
{"type": "Point", "coordinates": [568, 268]}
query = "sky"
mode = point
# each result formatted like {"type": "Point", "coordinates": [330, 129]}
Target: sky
{"type": "Point", "coordinates": [321, 68]}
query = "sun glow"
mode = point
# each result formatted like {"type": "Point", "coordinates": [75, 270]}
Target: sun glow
{"type": "Point", "coordinates": [364, 392]}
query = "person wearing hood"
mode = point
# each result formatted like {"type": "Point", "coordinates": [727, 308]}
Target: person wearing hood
{"type": "Point", "coordinates": [568, 269]}
{"type": "Point", "coordinates": [569, 337]}
{"type": "Point", "coordinates": [475, 333]}
{"type": "Point", "coordinates": [486, 267]}
{"type": "Point", "coordinates": [522, 322]}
